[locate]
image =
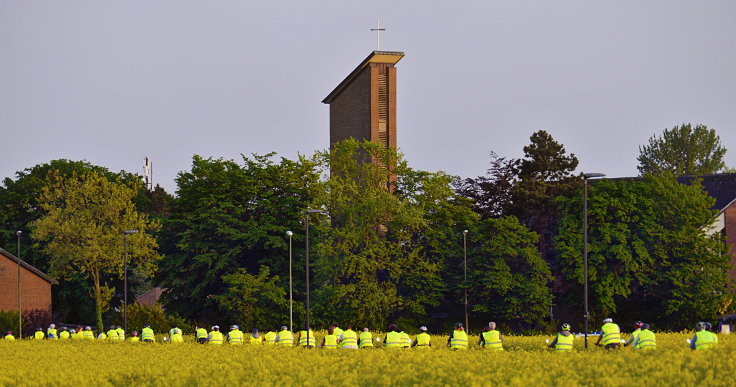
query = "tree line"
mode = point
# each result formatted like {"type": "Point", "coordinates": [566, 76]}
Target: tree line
{"type": "Point", "coordinates": [390, 247]}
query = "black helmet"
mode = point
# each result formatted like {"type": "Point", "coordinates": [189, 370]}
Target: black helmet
{"type": "Point", "coordinates": [458, 325]}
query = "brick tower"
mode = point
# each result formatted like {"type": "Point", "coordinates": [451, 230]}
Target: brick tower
{"type": "Point", "coordinates": [363, 105]}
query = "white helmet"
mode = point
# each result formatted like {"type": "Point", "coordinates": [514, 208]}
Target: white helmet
{"type": "Point", "coordinates": [233, 327]}
{"type": "Point", "coordinates": [52, 326]}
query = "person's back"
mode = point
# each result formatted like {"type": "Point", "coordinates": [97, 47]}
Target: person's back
{"type": "Point", "coordinates": [177, 336]}
{"type": "Point", "coordinates": [147, 335]}
{"type": "Point", "coordinates": [39, 335]}
{"type": "Point", "coordinates": [270, 338]}
{"type": "Point", "coordinates": [201, 335]}
{"type": "Point", "coordinates": [52, 333]}
{"type": "Point", "coordinates": [393, 339]}
{"type": "Point", "coordinates": [215, 337]}
{"type": "Point", "coordinates": [9, 336]}
{"type": "Point", "coordinates": [611, 336]}
{"type": "Point", "coordinates": [458, 339]}
{"type": "Point", "coordinates": [64, 334]}
{"type": "Point", "coordinates": [365, 339]}
{"type": "Point", "coordinates": [349, 339]}
{"type": "Point", "coordinates": [235, 336]}
{"type": "Point", "coordinates": [330, 340]}
{"type": "Point", "coordinates": [423, 339]}
{"type": "Point", "coordinates": [646, 340]}
{"type": "Point", "coordinates": [87, 334]}
{"type": "Point", "coordinates": [112, 334]}
{"type": "Point", "coordinates": [285, 337]}
{"type": "Point", "coordinates": [121, 333]}
{"type": "Point", "coordinates": [303, 338]}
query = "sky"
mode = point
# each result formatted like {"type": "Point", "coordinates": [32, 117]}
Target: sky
{"type": "Point", "coordinates": [110, 82]}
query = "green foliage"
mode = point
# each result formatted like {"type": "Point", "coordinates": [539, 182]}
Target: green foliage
{"type": "Point", "coordinates": [82, 230]}
{"type": "Point", "coordinates": [508, 277]}
{"type": "Point", "coordinates": [229, 216]}
{"type": "Point", "coordinates": [254, 300]}
{"type": "Point", "coordinates": [9, 322]}
{"type": "Point", "coordinates": [139, 315]}
{"type": "Point", "coordinates": [683, 150]}
{"type": "Point", "coordinates": [380, 259]}
{"type": "Point", "coordinates": [648, 250]}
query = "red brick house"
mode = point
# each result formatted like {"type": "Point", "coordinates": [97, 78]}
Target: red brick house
{"type": "Point", "coordinates": [35, 285]}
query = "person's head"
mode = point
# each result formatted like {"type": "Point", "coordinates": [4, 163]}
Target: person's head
{"type": "Point", "coordinates": [608, 320]}
{"type": "Point", "coordinates": [349, 327]}
{"type": "Point", "coordinates": [118, 327]}
{"type": "Point", "coordinates": [135, 333]}
{"type": "Point", "coordinates": [392, 327]}
{"type": "Point", "coordinates": [638, 325]}
{"type": "Point", "coordinates": [492, 325]}
{"type": "Point", "coordinates": [708, 326]}
{"type": "Point", "coordinates": [699, 326]}
{"type": "Point", "coordinates": [52, 326]}
{"type": "Point", "coordinates": [283, 327]}
{"type": "Point", "coordinates": [215, 327]}
{"type": "Point", "coordinates": [423, 329]}
{"type": "Point", "coordinates": [366, 330]}
{"type": "Point", "coordinates": [234, 327]}
{"type": "Point", "coordinates": [330, 330]}
{"type": "Point", "coordinates": [39, 329]}
{"type": "Point", "coordinates": [88, 328]}
{"type": "Point", "coordinates": [486, 328]}
{"type": "Point", "coordinates": [566, 327]}
{"type": "Point", "coordinates": [146, 325]}
{"type": "Point", "coordinates": [334, 325]}
{"type": "Point", "coordinates": [644, 326]}
{"type": "Point", "coordinates": [255, 331]}
{"type": "Point", "coordinates": [459, 326]}
{"type": "Point", "coordinates": [10, 333]}
{"type": "Point", "coordinates": [112, 327]}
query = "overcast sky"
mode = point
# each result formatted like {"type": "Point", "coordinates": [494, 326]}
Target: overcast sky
{"type": "Point", "coordinates": [112, 81]}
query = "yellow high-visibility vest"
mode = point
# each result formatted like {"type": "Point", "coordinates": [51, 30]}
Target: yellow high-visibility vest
{"type": "Point", "coordinates": [647, 340]}
{"type": "Point", "coordinates": [39, 335]}
{"type": "Point", "coordinates": [459, 340]}
{"type": "Point", "coordinates": [51, 334]}
{"type": "Point", "coordinates": [270, 337]}
{"type": "Point", "coordinates": [64, 335]}
{"type": "Point", "coordinates": [365, 340]}
{"type": "Point", "coordinates": [286, 338]}
{"type": "Point", "coordinates": [492, 340]}
{"type": "Point", "coordinates": [303, 338]}
{"type": "Point", "coordinates": [216, 338]}
{"type": "Point", "coordinates": [423, 340]}
{"type": "Point", "coordinates": [331, 341]}
{"type": "Point", "coordinates": [235, 337]}
{"type": "Point", "coordinates": [564, 343]}
{"type": "Point", "coordinates": [147, 334]}
{"type": "Point", "coordinates": [611, 334]}
{"type": "Point", "coordinates": [704, 340]}
{"type": "Point", "coordinates": [349, 339]}
{"type": "Point", "coordinates": [393, 340]}
{"type": "Point", "coordinates": [201, 333]}
{"type": "Point", "coordinates": [112, 334]}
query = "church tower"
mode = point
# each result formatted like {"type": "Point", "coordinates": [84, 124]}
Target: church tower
{"type": "Point", "coordinates": [363, 105]}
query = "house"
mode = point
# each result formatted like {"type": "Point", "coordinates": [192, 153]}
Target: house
{"type": "Point", "coordinates": [721, 187]}
{"type": "Point", "coordinates": [35, 286]}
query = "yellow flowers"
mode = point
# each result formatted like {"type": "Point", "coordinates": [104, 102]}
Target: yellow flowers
{"type": "Point", "coordinates": [526, 361]}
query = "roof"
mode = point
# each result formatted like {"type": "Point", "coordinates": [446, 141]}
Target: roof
{"type": "Point", "coordinates": [28, 267]}
{"type": "Point", "coordinates": [391, 57]}
{"type": "Point", "coordinates": [720, 186]}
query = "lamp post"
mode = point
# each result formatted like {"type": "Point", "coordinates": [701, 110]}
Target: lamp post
{"type": "Point", "coordinates": [306, 216]}
{"type": "Point", "coordinates": [125, 276]}
{"type": "Point", "coordinates": [291, 298]}
{"type": "Point", "coordinates": [465, 268]}
{"type": "Point", "coordinates": [586, 176]}
{"type": "Point", "coordinates": [20, 319]}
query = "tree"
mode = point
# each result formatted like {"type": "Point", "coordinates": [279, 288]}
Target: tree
{"type": "Point", "coordinates": [254, 300]}
{"type": "Point", "coordinates": [683, 151]}
{"type": "Point", "coordinates": [649, 252]}
{"type": "Point", "coordinates": [508, 276]}
{"type": "Point", "coordinates": [229, 216]}
{"type": "Point", "coordinates": [19, 207]}
{"type": "Point", "coordinates": [492, 193]}
{"type": "Point", "coordinates": [82, 228]}
{"type": "Point", "coordinates": [367, 268]}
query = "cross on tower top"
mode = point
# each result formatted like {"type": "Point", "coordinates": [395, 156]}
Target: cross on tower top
{"type": "Point", "coordinates": [378, 30]}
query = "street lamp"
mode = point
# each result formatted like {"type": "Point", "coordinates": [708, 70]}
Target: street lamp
{"type": "Point", "coordinates": [291, 298]}
{"type": "Point", "coordinates": [20, 320]}
{"type": "Point", "coordinates": [125, 276]}
{"type": "Point", "coordinates": [586, 176]}
{"type": "Point", "coordinates": [306, 216]}
{"type": "Point", "coordinates": [465, 267]}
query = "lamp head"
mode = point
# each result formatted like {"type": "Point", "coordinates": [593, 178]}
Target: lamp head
{"type": "Point", "coordinates": [593, 174]}
{"type": "Point", "coordinates": [289, 233]}
{"type": "Point", "coordinates": [128, 232]}
{"type": "Point", "coordinates": [465, 232]}
{"type": "Point", "coordinates": [18, 233]}
{"type": "Point", "coordinates": [309, 211]}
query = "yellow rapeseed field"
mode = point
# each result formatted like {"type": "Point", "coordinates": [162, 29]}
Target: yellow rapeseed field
{"type": "Point", "coordinates": [526, 362]}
